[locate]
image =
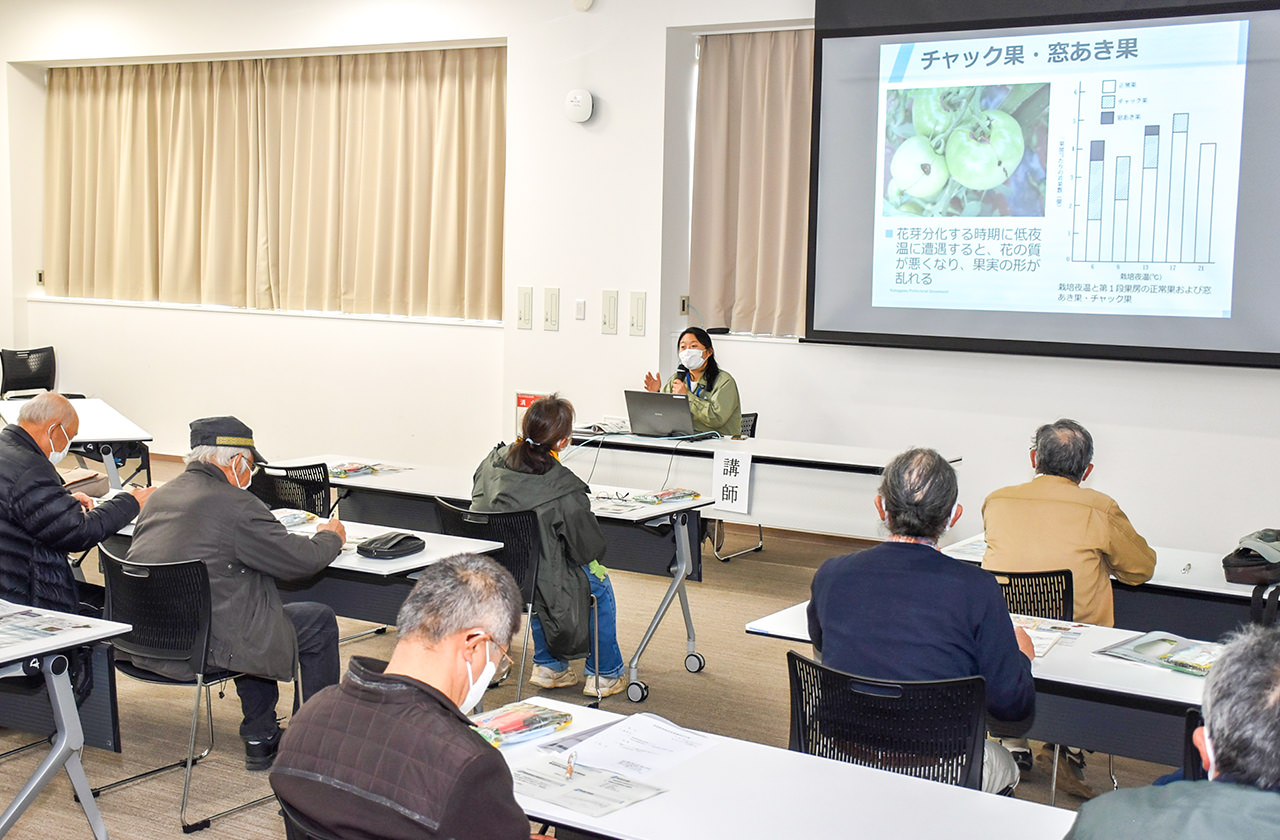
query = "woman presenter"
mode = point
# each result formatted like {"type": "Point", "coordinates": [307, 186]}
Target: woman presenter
{"type": "Point", "coordinates": [713, 395]}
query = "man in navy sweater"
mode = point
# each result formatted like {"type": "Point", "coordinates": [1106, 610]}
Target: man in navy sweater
{"type": "Point", "coordinates": [905, 611]}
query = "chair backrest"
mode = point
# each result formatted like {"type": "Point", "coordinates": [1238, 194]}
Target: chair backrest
{"type": "Point", "coordinates": [1041, 594]}
{"type": "Point", "coordinates": [749, 423]}
{"type": "Point", "coordinates": [931, 730]}
{"type": "Point", "coordinates": [304, 488]}
{"type": "Point", "coordinates": [168, 605]}
{"type": "Point", "coordinates": [25, 370]}
{"type": "Point", "coordinates": [516, 530]}
{"type": "Point", "coordinates": [298, 827]}
{"type": "Point", "coordinates": [1192, 766]}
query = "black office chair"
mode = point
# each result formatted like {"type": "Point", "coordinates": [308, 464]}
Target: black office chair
{"type": "Point", "coordinates": [930, 730]}
{"type": "Point", "coordinates": [302, 488]}
{"type": "Point", "coordinates": [1192, 764]}
{"type": "Point", "coordinates": [521, 553]}
{"type": "Point", "coordinates": [717, 535]}
{"type": "Point", "coordinates": [298, 827]}
{"type": "Point", "coordinates": [28, 370]}
{"type": "Point", "coordinates": [169, 606]}
{"type": "Point", "coordinates": [1040, 594]}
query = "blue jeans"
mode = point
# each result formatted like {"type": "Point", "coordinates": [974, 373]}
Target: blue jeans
{"type": "Point", "coordinates": [611, 664]}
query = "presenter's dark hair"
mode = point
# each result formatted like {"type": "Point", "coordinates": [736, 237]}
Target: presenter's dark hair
{"type": "Point", "coordinates": [919, 490]}
{"type": "Point", "coordinates": [1242, 708]}
{"type": "Point", "coordinates": [1063, 448]}
{"type": "Point", "coordinates": [713, 368]}
{"type": "Point", "coordinates": [548, 421]}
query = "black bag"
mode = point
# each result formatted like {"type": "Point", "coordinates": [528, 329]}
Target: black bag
{"type": "Point", "coordinates": [391, 545]}
{"type": "Point", "coordinates": [1256, 560]}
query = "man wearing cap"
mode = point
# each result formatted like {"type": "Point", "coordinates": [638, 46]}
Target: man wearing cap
{"type": "Point", "coordinates": [40, 521]}
{"type": "Point", "coordinates": [208, 513]}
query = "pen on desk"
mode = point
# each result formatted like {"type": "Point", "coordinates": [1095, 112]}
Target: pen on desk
{"type": "Point", "coordinates": [568, 764]}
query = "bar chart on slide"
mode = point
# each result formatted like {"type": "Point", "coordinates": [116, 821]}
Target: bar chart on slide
{"type": "Point", "coordinates": [1155, 173]}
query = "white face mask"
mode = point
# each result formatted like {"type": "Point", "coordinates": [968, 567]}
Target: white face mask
{"type": "Point", "coordinates": [235, 471]}
{"type": "Point", "coordinates": [1208, 748]}
{"type": "Point", "coordinates": [478, 684]}
{"type": "Point", "coordinates": [57, 455]}
{"type": "Point", "coordinates": [692, 358]}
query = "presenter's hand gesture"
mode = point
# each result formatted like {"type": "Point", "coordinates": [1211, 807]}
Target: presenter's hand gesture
{"type": "Point", "coordinates": [335, 526]}
{"type": "Point", "coordinates": [652, 382]}
{"type": "Point", "coordinates": [678, 386]}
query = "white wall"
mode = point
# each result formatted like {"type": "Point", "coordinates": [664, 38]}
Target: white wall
{"type": "Point", "coordinates": [603, 205]}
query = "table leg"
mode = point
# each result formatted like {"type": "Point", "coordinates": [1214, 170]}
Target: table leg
{"type": "Point", "coordinates": [637, 691]}
{"type": "Point", "coordinates": [67, 742]}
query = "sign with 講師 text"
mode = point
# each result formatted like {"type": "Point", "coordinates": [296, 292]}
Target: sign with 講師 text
{"type": "Point", "coordinates": [731, 481]}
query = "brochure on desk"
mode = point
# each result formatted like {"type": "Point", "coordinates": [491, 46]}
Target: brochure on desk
{"type": "Point", "coordinates": [1167, 650]}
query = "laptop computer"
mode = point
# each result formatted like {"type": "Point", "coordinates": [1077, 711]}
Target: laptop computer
{"type": "Point", "coordinates": [661, 415]}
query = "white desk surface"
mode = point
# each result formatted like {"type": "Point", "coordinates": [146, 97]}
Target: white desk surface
{"type": "Point", "coordinates": [1176, 568]}
{"type": "Point", "coordinates": [86, 630]}
{"type": "Point", "coordinates": [438, 547]}
{"type": "Point", "coordinates": [413, 479]}
{"type": "Point", "coordinates": [99, 422]}
{"type": "Point", "coordinates": [742, 789]}
{"type": "Point", "coordinates": [818, 454]}
{"type": "Point", "coordinates": [1077, 663]}
{"type": "Point", "coordinates": [451, 483]}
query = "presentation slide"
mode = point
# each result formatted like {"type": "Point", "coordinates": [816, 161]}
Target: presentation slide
{"type": "Point", "coordinates": [1075, 223]}
{"type": "Point", "coordinates": [1100, 184]}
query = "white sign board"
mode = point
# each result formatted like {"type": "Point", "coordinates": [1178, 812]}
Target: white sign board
{"type": "Point", "coordinates": [731, 481]}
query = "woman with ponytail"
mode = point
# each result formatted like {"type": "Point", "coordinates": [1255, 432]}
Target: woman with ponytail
{"type": "Point", "coordinates": [527, 475]}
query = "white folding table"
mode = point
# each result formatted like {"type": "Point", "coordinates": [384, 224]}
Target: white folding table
{"type": "Point", "coordinates": [45, 656]}
{"type": "Point", "coordinates": [743, 789]}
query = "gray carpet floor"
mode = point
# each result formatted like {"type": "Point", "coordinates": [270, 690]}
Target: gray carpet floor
{"type": "Point", "coordinates": [742, 693]}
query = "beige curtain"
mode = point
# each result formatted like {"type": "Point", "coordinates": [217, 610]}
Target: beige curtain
{"type": "Point", "coordinates": [368, 183]}
{"type": "Point", "coordinates": [749, 232]}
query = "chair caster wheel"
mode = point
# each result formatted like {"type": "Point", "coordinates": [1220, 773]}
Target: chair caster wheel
{"type": "Point", "coordinates": [694, 662]}
{"type": "Point", "coordinates": [637, 692]}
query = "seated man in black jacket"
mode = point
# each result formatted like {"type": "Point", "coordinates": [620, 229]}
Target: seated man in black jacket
{"type": "Point", "coordinates": [40, 521]}
{"type": "Point", "coordinates": [390, 752]}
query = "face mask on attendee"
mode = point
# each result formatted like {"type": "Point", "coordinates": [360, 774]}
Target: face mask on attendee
{"type": "Point", "coordinates": [57, 455]}
{"type": "Point", "coordinates": [478, 684]}
{"type": "Point", "coordinates": [235, 469]}
{"type": "Point", "coordinates": [692, 358]}
{"type": "Point", "coordinates": [1208, 748]}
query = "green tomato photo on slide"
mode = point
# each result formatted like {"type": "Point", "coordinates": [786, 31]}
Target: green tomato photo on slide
{"type": "Point", "coordinates": [966, 151]}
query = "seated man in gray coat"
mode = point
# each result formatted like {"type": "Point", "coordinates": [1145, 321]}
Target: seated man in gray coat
{"type": "Point", "coordinates": [1240, 748]}
{"type": "Point", "coordinates": [208, 513]}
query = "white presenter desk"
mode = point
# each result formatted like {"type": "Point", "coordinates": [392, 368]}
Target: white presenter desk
{"type": "Point", "coordinates": [1082, 698]}
{"type": "Point", "coordinates": [814, 487]}
{"type": "Point", "coordinates": [739, 789]}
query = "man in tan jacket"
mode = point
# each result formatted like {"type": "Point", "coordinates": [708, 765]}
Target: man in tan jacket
{"type": "Point", "coordinates": [1051, 522]}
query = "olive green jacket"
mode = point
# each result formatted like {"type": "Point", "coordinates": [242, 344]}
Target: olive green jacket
{"type": "Point", "coordinates": [717, 409]}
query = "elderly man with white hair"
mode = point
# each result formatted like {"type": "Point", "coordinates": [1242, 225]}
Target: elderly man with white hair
{"type": "Point", "coordinates": [207, 513]}
{"type": "Point", "coordinates": [40, 520]}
